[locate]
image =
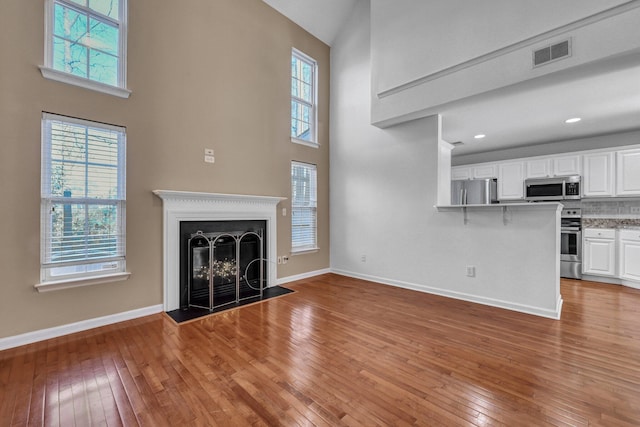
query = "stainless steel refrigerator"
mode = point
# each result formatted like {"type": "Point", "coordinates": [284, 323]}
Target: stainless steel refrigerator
{"type": "Point", "coordinates": [474, 191]}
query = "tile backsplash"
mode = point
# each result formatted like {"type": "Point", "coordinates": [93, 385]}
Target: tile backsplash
{"type": "Point", "coordinates": [611, 209]}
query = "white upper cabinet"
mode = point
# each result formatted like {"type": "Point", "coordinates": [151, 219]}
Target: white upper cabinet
{"type": "Point", "coordinates": [460, 172]}
{"type": "Point", "coordinates": [543, 167]}
{"type": "Point", "coordinates": [511, 180]}
{"type": "Point", "coordinates": [598, 175]}
{"type": "Point", "coordinates": [478, 171]}
{"type": "Point", "coordinates": [485, 170]}
{"type": "Point", "coordinates": [538, 168]}
{"type": "Point", "coordinates": [628, 173]}
{"type": "Point", "coordinates": [567, 165]}
{"type": "Point", "coordinates": [613, 172]}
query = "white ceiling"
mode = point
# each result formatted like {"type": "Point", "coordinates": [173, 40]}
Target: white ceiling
{"type": "Point", "coordinates": [606, 95]}
{"type": "Point", "coordinates": [322, 18]}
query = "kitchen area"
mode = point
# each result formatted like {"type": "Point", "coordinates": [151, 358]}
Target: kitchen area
{"type": "Point", "coordinates": [600, 193]}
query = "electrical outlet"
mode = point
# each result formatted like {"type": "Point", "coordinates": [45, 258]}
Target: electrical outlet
{"type": "Point", "coordinates": [209, 159]}
{"type": "Point", "coordinates": [285, 259]}
{"type": "Point", "coordinates": [363, 258]}
{"type": "Point", "coordinates": [471, 271]}
{"type": "Point", "coordinates": [635, 209]}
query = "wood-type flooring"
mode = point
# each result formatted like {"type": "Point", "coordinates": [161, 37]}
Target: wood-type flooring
{"type": "Point", "coordinates": [342, 352]}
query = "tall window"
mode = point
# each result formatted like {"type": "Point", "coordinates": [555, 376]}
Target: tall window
{"type": "Point", "coordinates": [303, 99]}
{"type": "Point", "coordinates": [303, 207]}
{"type": "Point", "coordinates": [86, 39]}
{"type": "Point", "coordinates": [82, 198]}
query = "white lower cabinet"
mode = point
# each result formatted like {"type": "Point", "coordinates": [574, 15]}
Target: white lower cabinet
{"type": "Point", "coordinates": [629, 253]}
{"type": "Point", "coordinates": [599, 252]}
{"type": "Point", "coordinates": [612, 253]}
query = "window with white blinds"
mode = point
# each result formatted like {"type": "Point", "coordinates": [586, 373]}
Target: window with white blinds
{"type": "Point", "coordinates": [303, 207]}
{"type": "Point", "coordinates": [82, 198]}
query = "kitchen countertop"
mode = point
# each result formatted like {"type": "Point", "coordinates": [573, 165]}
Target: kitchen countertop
{"type": "Point", "coordinates": [631, 223]}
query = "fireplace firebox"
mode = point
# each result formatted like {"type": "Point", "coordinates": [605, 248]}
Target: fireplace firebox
{"type": "Point", "coordinates": [224, 268]}
{"type": "Point", "coordinates": [219, 267]}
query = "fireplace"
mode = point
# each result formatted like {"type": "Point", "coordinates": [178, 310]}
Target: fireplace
{"type": "Point", "coordinates": [221, 262]}
{"type": "Point", "coordinates": [186, 213]}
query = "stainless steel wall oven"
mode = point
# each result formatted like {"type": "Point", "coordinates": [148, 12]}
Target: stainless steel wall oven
{"type": "Point", "coordinates": [571, 243]}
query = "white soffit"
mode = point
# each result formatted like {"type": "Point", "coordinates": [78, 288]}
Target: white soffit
{"type": "Point", "coordinates": [322, 18]}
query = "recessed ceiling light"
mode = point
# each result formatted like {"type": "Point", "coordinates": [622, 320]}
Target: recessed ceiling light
{"type": "Point", "coordinates": [479, 136]}
{"type": "Point", "coordinates": [573, 120]}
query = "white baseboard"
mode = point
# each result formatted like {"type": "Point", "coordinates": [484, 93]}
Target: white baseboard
{"type": "Point", "coordinates": [288, 279]}
{"type": "Point", "coordinates": [58, 331]}
{"type": "Point", "coordinates": [612, 281]}
{"type": "Point", "coordinates": [43, 334]}
{"type": "Point", "coordinates": [536, 311]}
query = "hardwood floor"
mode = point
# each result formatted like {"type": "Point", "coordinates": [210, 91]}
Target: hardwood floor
{"type": "Point", "coordinates": [337, 352]}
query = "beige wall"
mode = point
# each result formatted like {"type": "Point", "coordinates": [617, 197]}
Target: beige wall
{"type": "Point", "coordinates": [204, 73]}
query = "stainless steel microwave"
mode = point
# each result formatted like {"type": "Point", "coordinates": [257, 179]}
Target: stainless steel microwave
{"type": "Point", "coordinates": [558, 188]}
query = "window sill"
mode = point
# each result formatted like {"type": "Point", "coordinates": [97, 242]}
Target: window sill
{"type": "Point", "coordinates": [85, 281]}
{"type": "Point", "coordinates": [59, 76]}
{"type": "Point", "coordinates": [303, 142]}
{"type": "Point", "coordinates": [295, 252]}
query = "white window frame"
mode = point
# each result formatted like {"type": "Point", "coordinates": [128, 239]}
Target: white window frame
{"type": "Point", "coordinates": [313, 207]}
{"type": "Point", "coordinates": [50, 73]}
{"type": "Point", "coordinates": [113, 267]}
{"type": "Point", "coordinates": [295, 53]}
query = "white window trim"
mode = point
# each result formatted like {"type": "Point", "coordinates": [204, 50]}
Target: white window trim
{"type": "Point", "coordinates": [61, 76]}
{"type": "Point", "coordinates": [48, 72]}
{"type": "Point", "coordinates": [295, 252]}
{"type": "Point", "coordinates": [88, 279]}
{"type": "Point", "coordinates": [314, 107]}
{"type": "Point", "coordinates": [58, 285]}
{"type": "Point", "coordinates": [304, 142]}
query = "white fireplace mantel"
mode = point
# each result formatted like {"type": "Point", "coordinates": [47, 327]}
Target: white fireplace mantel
{"type": "Point", "coordinates": [192, 206]}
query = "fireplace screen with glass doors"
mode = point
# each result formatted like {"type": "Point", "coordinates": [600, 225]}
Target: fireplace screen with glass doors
{"type": "Point", "coordinates": [225, 268]}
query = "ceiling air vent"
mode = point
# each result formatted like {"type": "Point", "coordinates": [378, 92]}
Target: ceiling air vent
{"type": "Point", "coordinates": [552, 53]}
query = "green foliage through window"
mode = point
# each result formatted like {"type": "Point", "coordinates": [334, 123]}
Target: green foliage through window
{"type": "Point", "coordinates": [86, 39]}
{"type": "Point", "coordinates": [83, 196]}
{"type": "Point", "coordinates": [303, 97]}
